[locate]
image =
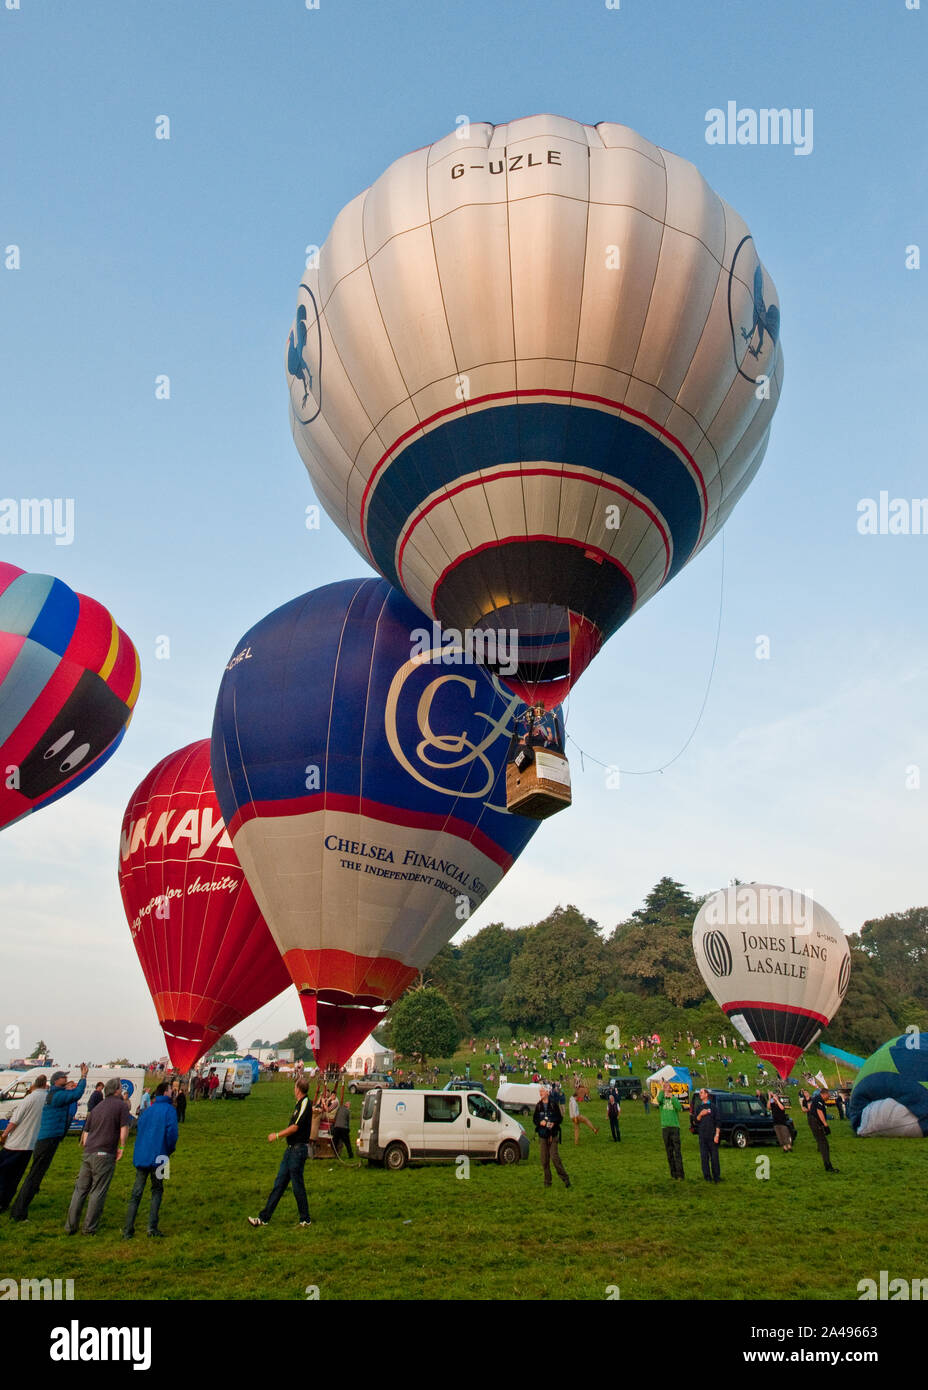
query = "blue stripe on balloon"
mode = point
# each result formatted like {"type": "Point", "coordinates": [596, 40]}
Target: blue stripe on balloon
{"type": "Point", "coordinates": [530, 433]}
{"type": "Point", "coordinates": [55, 624]}
{"type": "Point", "coordinates": [24, 682]}
{"type": "Point", "coordinates": [22, 601]}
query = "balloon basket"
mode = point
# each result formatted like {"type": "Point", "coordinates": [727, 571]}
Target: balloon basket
{"type": "Point", "coordinates": [540, 788]}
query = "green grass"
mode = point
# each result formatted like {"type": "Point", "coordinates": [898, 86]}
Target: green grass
{"type": "Point", "coordinates": [426, 1234]}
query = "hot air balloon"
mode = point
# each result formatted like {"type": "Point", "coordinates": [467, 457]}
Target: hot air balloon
{"type": "Point", "coordinates": [776, 963]}
{"type": "Point", "coordinates": [361, 774]}
{"type": "Point", "coordinates": [69, 679]}
{"type": "Point", "coordinates": [533, 373]}
{"type": "Point", "coordinates": [890, 1095]}
{"type": "Point", "coordinates": [204, 948]}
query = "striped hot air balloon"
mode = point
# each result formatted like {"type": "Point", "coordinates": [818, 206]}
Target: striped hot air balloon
{"type": "Point", "coordinates": [204, 948]}
{"type": "Point", "coordinates": [533, 373]}
{"type": "Point", "coordinates": [776, 963]}
{"type": "Point", "coordinates": [363, 785]}
{"type": "Point", "coordinates": [69, 679]}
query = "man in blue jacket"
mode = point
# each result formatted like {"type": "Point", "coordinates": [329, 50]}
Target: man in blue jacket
{"type": "Point", "coordinates": [56, 1116]}
{"type": "Point", "coordinates": [155, 1141]}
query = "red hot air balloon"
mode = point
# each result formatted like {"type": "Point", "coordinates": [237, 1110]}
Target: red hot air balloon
{"type": "Point", "coordinates": [205, 950]}
{"type": "Point", "coordinates": [69, 680]}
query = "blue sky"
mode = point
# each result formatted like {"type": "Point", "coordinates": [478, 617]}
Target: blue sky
{"type": "Point", "coordinates": [142, 256]}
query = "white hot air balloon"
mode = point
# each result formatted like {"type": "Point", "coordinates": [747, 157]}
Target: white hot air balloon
{"type": "Point", "coordinates": [776, 963]}
{"type": "Point", "coordinates": [532, 375]}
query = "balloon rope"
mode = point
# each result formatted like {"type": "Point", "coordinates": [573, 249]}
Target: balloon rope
{"type": "Point", "coordinates": [647, 772]}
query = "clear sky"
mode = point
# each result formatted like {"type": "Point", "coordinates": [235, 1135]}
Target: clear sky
{"type": "Point", "coordinates": [141, 257]}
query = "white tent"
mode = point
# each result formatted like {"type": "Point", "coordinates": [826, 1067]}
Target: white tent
{"type": "Point", "coordinates": [369, 1056]}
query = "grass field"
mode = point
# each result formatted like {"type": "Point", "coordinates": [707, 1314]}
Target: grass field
{"type": "Point", "coordinates": [424, 1233]}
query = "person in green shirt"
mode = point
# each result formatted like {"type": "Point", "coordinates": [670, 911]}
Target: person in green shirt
{"type": "Point", "coordinates": [669, 1109]}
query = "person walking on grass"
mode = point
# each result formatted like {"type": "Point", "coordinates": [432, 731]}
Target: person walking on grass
{"type": "Point", "coordinates": [52, 1129]}
{"type": "Point", "coordinates": [290, 1172]}
{"type": "Point", "coordinates": [614, 1111]}
{"type": "Point", "coordinates": [155, 1141]}
{"type": "Point", "coordinates": [103, 1141]}
{"type": "Point", "coordinates": [669, 1109]}
{"type": "Point", "coordinates": [778, 1115]}
{"type": "Point", "coordinates": [547, 1120]}
{"type": "Point", "coordinates": [577, 1119]}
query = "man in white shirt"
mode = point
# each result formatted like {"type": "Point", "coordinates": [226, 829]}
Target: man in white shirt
{"type": "Point", "coordinates": [19, 1138]}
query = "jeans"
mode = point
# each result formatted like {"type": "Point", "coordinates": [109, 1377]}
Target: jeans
{"type": "Point", "coordinates": [289, 1174]}
{"type": "Point", "coordinates": [672, 1145]}
{"type": "Point", "coordinates": [821, 1139]}
{"type": "Point", "coordinates": [135, 1197]}
{"type": "Point", "coordinates": [549, 1155]}
{"type": "Point", "coordinates": [614, 1126]}
{"type": "Point", "coordinates": [13, 1163]}
{"type": "Point", "coordinates": [42, 1155]}
{"type": "Point", "coordinates": [93, 1182]}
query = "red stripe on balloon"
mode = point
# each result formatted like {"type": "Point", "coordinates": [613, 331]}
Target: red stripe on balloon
{"type": "Point", "coordinates": [532, 473]}
{"type": "Point", "coordinates": [519, 395]}
{"type": "Point", "coordinates": [376, 810]}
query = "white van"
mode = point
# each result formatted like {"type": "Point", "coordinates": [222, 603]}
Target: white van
{"type": "Point", "coordinates": [436, 1126]}
{"type": "Point", "coordinates": [131, 1081]}
{"type": "Point", "coordinates": [238, 1079]}
{"type": "Point", "coordinates": [521, 1098]}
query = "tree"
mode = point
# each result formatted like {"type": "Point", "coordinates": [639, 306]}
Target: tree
{"type": "Point", "coordinates": [445, 973]}
{"type": "Point", "coordinates": [297, 1042]}
{"type": "Point", "coordinates": [486, 961]}
{"type": "Point", "coordinates": [258, 1043]}
{"type": "Point", "coordinates": [424, 1025]}
{"type": "Point", "coordinates": [41, 1049]}
{"type": "Point", "coordinates": [867, 1018]}
{"type": "Point", "coordinates": [898, 943]}
{"type": "Point", "coordinates": [652, 952]}
{"type": "Point", "coordinates": [224, 1044]}
{"type": "Point", "coordinates": [561, 969]}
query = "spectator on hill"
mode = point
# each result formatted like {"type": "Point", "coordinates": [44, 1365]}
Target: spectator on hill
{"type": "Point", "coordinates": [155, 1141]}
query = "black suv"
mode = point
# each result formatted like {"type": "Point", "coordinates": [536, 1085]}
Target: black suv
{"type": "Point", "coordinates": [743, 1121]}
{"type": "Point", "coordinates": [625, 1087]}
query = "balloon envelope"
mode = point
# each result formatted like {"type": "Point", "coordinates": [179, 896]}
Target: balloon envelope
{"type": "Point", "coordinates": [530, 378]}
{"type": "Point", "coordinates": [205, 950]}
{"type": "Point", "coordinates": [776, 963]}
{"type": "Point", "coordinates": [69, 679]}
{"type": "Point", "coordinates": [364, 789]}
{"type": "Point", "coordinates": [890, 1095]}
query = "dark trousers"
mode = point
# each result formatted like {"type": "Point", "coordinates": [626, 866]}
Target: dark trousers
{"type": "Point", "coordinates": [13, 1163]}
{"type": "Point", "coordinates": [289, 1174]}
{"type": "Point", "coordinates": [549, 1155]}
{"type": "Point", "coordinates": [93, 1183]}
{"type": "Point", "coordinates": [709, 1156]}
{"type": "Point", "coordinates": [135, 1198]}
{"type": "Point", "coordinates": [339, 1137]}
{"type": "Point", "coordinates": [614, 1126]}
{"type": "Point", "coordinates": [42, 1155]}
{"type": "Point", "coordinates": [672, 1146]}
{"type": "Point", "coordinates": [821, 1139]}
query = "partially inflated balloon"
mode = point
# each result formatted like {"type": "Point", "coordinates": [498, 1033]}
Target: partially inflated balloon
{"type": "Point", "coordinates": [364, 789]}
{"type": "Point", "coordinates": [69, 679]}
{"type": "Point", "coordinates": [532, 375]}
{"type": "Point", "coordinates": [776, 963]}
{"type": "Point", "coordinates": [890, 1095]}
{"type": "Point", "coordinates": [205, 950]}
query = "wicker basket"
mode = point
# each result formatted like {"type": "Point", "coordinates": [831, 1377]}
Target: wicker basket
{"type": "Point", "coordinates": [541, 789]}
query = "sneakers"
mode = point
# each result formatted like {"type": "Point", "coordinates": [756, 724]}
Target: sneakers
{"type": "Point", "coordinates": [306, 1223]}
{"type": "Point", "coordinates": [256, 1221]}
{"type": "Point", "coordinates": [156, 1235]}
